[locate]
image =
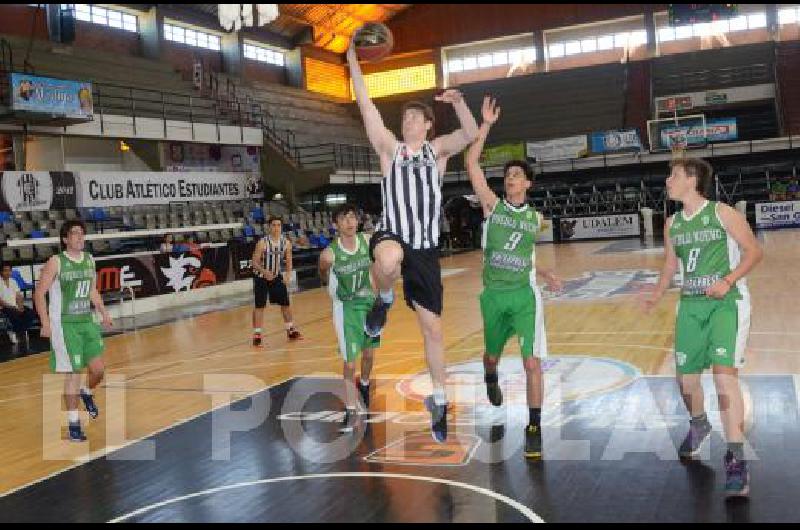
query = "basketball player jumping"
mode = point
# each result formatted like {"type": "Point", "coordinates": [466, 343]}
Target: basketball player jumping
{"type": "Point", "coordinates": [268, 281]}
{"type": "Point", "coordinates": [344, 266]}
{"type": "Point", "coordinates": [706, 240]}
{"type": "Point", "coordinates": [407, 240]}
{"type": "Point", "coordinates": [70, 280]}
{"type": "Point", "coordinates": [511, 303]}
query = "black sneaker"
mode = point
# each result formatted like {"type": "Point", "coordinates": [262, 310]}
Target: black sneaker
{"type": "Point", "coordinates": [737, 477]}
{"type": "Point", "coordinates": [256, 339]}
{"type": "Point", "coordinates": [364, 391]}
{"type": "Point", "coordinates": [376, 318]}
{"type": "Point", "coordinates": [438, 419]}
{"type": "Point", "coordinates": [533, 442]}
{"type": "Point", "coordinates": [76, 433]}
{"type": "Point", "coordinates": [293, 334]}
{"type": "Point", "coordinates": [698, 433]}
{"type": "Point", "coordinates": [88, 403]}
{"type": "Point", "coordinates": [494, 393]}
{"type": "Point", "coordinates": [349, 421]}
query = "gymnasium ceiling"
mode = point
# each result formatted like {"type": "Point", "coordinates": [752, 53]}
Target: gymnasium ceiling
{"type": "Point", "coordinates": [333, 24]}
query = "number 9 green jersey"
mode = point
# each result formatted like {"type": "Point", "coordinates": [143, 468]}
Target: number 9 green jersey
{"type": "Point", "coordinates": [509, 239]}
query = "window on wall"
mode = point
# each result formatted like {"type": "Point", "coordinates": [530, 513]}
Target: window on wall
{"type": "Point", "coordinates": [191, 37]}
{"type": "Point", "coordinates": [104, 16]}
{"type": "Point", "coordinates": [706, 29]}
{"type": "Point", "coordinates": [264, 55]}
{"type": "Point", "coordinates": [410, 79]}
{"type": "Point", "coordinates": [789, 15]}
{"type": "Point", "coordinates": [595, 44]}
{"type": "Point", "coordinates": [488, 60]}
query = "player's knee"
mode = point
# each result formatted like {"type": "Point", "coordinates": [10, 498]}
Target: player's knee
{"type": "Point", "coordinates": [97, 369]}
{"type": "Point", "coordinates": [532, 365]}
{"type": "Point", "coordinates": [388, 259]}
{"type": "Point", "coordinates": [433, 331]}
{"type": "Point", "coordinates": [489, 361]}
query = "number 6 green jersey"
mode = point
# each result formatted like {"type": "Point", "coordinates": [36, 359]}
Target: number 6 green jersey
{"type": "Point", "coordinates": [509, 238]}
{"type": "Point", "coordinates": [69, 294]}
{"type": "Point", "coordinates": [706, 251]}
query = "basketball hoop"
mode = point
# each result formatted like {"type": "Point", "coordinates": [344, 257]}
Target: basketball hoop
{"type": "Point", "coordinates": [237, 16]}
{"type": "Point", "coordinates": [678, 143]}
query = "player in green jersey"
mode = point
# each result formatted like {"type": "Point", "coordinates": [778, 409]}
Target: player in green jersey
{"type": "Point", "coordinates": [69, 279]}
{"type": "Point", "coordinates": [345, 266]}
{"type": "Point", "coordinates": [713, 247]}
{"type": "Point", "coordinates": [511, 302]}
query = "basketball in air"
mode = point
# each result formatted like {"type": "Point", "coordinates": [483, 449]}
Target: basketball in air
{"type": "Point", "coordinates": [373, 42]}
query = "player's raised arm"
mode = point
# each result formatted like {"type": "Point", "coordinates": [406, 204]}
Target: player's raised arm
{"type": "Point", "coordinates": [490, 112]}
{"type": "Point", "coordinates": [455, 142]}
{"type": "Point", "coordinates": [381, 138]}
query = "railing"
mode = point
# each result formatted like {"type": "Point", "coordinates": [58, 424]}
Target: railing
{"type": "Point", "coordinates": [6, 65]}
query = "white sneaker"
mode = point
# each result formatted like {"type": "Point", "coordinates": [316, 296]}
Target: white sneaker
{"type": "Point", "coordinates": [13, 337]}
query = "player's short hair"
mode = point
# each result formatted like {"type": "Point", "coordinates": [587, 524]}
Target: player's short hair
{"type": "Point", "coordinates": [65, 229]}
{"type": "Point", "coordinates": [699, 169]}
{"type": "Point", "coordinates": [520, 164]}
{"type": "Point", "coordinates": [426, 111]}
{"type": "Point", "coordinates": [344, 209]}
{"type": "Point", "coordinates": [274, 218]}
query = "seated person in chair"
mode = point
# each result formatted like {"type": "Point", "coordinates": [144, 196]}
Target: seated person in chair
{"type": "Point", "coordinates": [12, 305]}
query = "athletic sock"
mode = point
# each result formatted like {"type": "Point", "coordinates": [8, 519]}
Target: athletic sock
{"type": "Point", "coordinates": [73, 417]}
{"type": "Point", "coordinates": [387, 296]}
{"type": "Point", "coordinates": [702, 418]}
{"type": "Point", "coordinates": [737, 450]}
{"type": "Point", "coordinates": [256, 331]}
{"type": "Point", "coordinates": [535, 417]}
{"type": "Point", "coordinates": [490, 378]}
{"type": "Point", "coordinates": [439, 396]}
{"type": "Point", "coordinates": [86, 390]}
{"type": "Point", "coordinates": [288, 325]}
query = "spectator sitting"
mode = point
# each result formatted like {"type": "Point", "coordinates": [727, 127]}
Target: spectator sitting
{"type": "Point", "coordinates": [192, 245]}
{"type": "Point", "coordinates": [303, 242]}
{"type": "Point", "coordinates": [167, 245]}
{"type": "Point", "coordinates": [13, 306]}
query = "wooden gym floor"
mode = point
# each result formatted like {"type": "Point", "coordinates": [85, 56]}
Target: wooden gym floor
{"type": "Point", "coordinates": [163, 381]}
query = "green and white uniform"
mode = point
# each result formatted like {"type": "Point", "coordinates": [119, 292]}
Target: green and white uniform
{"type": "Point", "coordinates": [708, 331]}
{"type": "Point", "coordinates": [511, 303]}
{"type": "Point", "coordinates": [75, 339]}
{"type": "Point", "coordinates": [352, 296]}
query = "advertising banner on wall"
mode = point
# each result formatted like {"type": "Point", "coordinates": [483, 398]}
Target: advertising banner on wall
{"type": "Point", "coordinates": [599, 227]}
{"type": "Point", "coordinates": [616, 141]}
{"type": "Point", "coordinates": [546, 235]}
{"type": "Point", "coordinates": [102, 189]}
{"type": "Point", "coordinates": [242, 259]}
{"type": "Point", "coordinates": [189, 157]}
{"type": "Point", "coordinates": [778, 214]}
{"type": "Point", "coordinates": [558, 149]}
{"type": "Point", "coordinates": [500, 154]}
{"type": "Point", "coordinates": [718, 130]}
{"type": "Point", "coordinates": [26, 191]}
{"type": "Point", "coordinates": [45, 95]}
{"type": "Point", "coordinates": [154, 274]}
